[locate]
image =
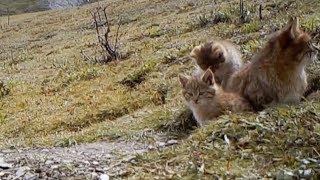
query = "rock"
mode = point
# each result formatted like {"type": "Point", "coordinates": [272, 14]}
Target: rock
{"type": "Point", "coordinates": [55, 167]}
{"type": "Point", "coordinates": [2, 174]}
{"type": "Point", "coordinates": [30, 176]}
{"type": "Point", "coordinates": [7, 151]}
{"type": "Point", "coordinates": [66, 161]}
{"type": "Point", "coordinates": [172, 142]}
{"type": "Point", "coordinates": [49, 162]}
{"type": "Point", "coordinates": [94, 175]}
{"type": "Point", "coordinates": [307, 172]}
{"type": "Point", "coordinates": [108, 156]}
{"type": "Point", "coordinates": [45, 150]}
{"type": "Point", "coordinates": [304, 161]}
{"type": "Point", "coordinates": [5, 166]}
{"type": "Point", "coordinates": [96, 163]}
{"type": "Point", "coordinates": [161, 144]}
{"type": "Point", "coordinates": [1, 160]}
{"type": "Point", "coordinates": [22, 171]}
{"type": "Point", "coordinates": [85, 162]}
{"type": "Point", "coordinates": [303, 166]}
{"type": "Point", "coordinates": [104, 177]}
{"type": "Point", "coordinates": [150, 147]}
{"type": "Point", "coordinates": [99, 170]}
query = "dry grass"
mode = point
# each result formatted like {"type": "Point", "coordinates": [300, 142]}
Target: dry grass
{"type": "Point", "coordinates": [57, 99]}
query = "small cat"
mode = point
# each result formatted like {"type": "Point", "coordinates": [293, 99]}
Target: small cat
{"type": "Point", "coordinates": [277, 72]}
{"type": "Point", "coordinates": [221, 56]}
{"type": "Point", "coordinates": [207, 99]}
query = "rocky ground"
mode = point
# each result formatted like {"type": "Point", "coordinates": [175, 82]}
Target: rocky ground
{"type": "Point", "coordinates": [89, 161]}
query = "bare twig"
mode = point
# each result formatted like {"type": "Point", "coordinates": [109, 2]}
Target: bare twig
{"type": "Point", "coordinates": [103, 31]}
{"type": "Point", "coordinates": [8, 13]}
{"type": "Point", "coordinates": [110, 51]}
{"type": "Point", "coordinates": [242, 16]}
{"type": "Point", "coordinates": [260, 12]}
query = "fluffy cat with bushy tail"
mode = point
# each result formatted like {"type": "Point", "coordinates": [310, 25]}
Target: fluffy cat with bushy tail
{"type": "Point", "coordinates": [276, 73]}
{"type": "Point", "coordinates": [221, 56]}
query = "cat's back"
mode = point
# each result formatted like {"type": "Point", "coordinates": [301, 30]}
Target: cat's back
{"type": "Point", "coordinates": [232, 52]}
{"type": "Point", "coordinates": [232, 101]}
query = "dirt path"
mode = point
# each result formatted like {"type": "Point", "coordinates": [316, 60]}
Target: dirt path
{"type": "Point", "coordinates": [89, 161]}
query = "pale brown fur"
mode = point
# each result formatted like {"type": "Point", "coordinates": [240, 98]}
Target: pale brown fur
{"type": "Point", "coordinates": [276, 73]}
{"type": "Point", "coordinates": [207, 100]}
{"type": "Point", "coordinates": [221, 56]}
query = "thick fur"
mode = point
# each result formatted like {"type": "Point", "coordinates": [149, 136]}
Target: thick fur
{"type": "Point", "coordinates": [277, 73]}
{"type": "Point", "coordinates": [207, 100]}
{"type": "Point", "coordinates": [221, 56]}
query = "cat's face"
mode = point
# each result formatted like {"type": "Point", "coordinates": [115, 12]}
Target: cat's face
{"type": "Point", "coordinates": [208, 55]}
{"type": "Point", "coordinates": [293, 44]}
{"type": "Point", "coordinates": [198, 91]}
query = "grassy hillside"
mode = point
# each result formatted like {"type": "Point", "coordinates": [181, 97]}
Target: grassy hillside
{"type": "Point", "coordinates": [52, 97]}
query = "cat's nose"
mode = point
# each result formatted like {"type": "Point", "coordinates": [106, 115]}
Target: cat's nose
{"type": "Point", "coordinates": [195, 101]}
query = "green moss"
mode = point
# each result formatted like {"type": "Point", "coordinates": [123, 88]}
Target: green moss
{"type": "Point", "coordinates": [251, 27]}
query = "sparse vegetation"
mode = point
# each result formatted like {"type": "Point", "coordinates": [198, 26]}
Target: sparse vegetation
{"type": "Point", "coordinates": [56, 99]}
{"type": "Point", "coordinates": [138, 76]}
{"type": "Point", "coordinates": [4, 90]}
{"type": "Point", "coordinates": [251, 27]}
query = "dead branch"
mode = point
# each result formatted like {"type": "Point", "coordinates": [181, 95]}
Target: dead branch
{"type": "Point", "coordinates": [103, 30]}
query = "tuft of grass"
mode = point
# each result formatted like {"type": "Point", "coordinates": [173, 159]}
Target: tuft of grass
{"type": "Point", "coordinates": [4, 90]}
{"type": "Point", "coordinates": [155, 31]}
{"type": "Point", "coordinates": [14, 59]}
{"type": "Point", "coordinates": [251, 27]}
{"type": "Point", "coordinates": [252, 46]}
{"type": "Point", "coordinates": [138, 76]}
{"type": "Point", "coordinates": [310, 25]}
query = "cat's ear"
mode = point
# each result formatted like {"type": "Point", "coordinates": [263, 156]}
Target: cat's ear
{"type": "Point", "coordinates": [295, 29]}
{"type": "Point", "coordinates": [208, 77]}
{"type": "Point", "coordinates": [289, 32]}
{"type": "Point", "coordinates": [183, 80]}
{"type": "Point", "coordinates": [195, 52]}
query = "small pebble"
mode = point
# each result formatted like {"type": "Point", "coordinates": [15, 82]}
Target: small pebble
{"type": "Point", "coordinates": [95, 163]}
{"type": "Point", "coordinates": [104, 177]}
{"type": "Point", "coordinates": [49, 162]}
{"type": "Point", "coordinates": [172, 142]}
{"type": "Point", "coordinates": [5, 166]}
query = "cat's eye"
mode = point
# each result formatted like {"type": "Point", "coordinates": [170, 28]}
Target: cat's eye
{"type": "Point", "coordinates": [201, 93]}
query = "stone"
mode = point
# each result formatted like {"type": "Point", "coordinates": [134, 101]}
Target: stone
{"type": "Point", "coordinates": [5, 165]}
{"type": "Point", "coordinates": [30, 176]}
{"type": "Point", "coordinates": [2, 174]}
{"type": "Point", "coordinates": [172, 142]}
{"type": "Point", "coordinates": [55, 167]}
{"type": "Point", "coordinates": [85, 162]}
{"type": "Point", "coordinates": [100, 170]}
{"type": "Point", "coordinates": [45, 150]}
{"type": "Point", "coordinates": [104, 177]}
{"type": "Point", "coordinates": [96, 163]}
{"type": "Point", "coordinates": [66, 161]}
{"type": "Point", "coordinates": [304, 161]}
{"type": "Point", "coordinates": [307, 172]}
{"type": "Point", "coordinates": [94, 175]}
{"type": "Point", "coordinates": [161, 144]}
{"type": "Point", "coordinates": [22, 171]}
{"type": "Point", "coordinates": [49, 162]}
